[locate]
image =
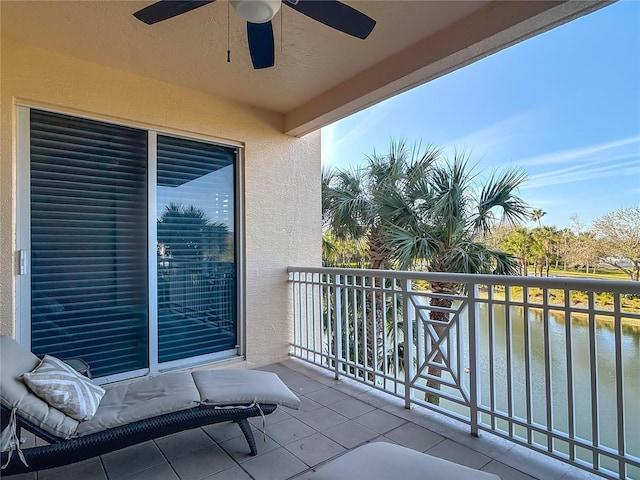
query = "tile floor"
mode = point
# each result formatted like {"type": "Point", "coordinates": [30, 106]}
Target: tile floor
{"type": "Point", "coordinates": [334, 417]}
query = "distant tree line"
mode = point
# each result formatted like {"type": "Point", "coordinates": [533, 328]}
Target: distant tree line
{"type": "Point", "coordinates": [612, 241]}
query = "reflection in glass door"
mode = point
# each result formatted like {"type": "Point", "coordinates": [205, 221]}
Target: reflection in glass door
{"type": "Point", "coordinates": [196, 249]}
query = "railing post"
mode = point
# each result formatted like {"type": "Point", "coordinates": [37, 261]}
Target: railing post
{"type": "Point", "coordinates": [407, 329]}
{"type": "Point", "coordinates": [337, 328]}
{"type": "Point", "coordinates": [474, 364]}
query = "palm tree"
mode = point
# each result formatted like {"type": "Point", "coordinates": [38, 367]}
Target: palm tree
{"type": "Point", "coordinates": [444, 229]}
{"type": "Point", "coordinates": [536, 216]}
{"type": "Point", "coordinates": [352, 210]}
{"type": "Point", "coordinates": [413, 205]}
{"type": "Point", "coordinates": [520, 243]}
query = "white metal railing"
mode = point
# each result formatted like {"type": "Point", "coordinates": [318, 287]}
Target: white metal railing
{"type": "Point", "coordinates": [550, 363]}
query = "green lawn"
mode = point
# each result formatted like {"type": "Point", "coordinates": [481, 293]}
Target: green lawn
{"type": "Point", "coordinates": [602, 274]}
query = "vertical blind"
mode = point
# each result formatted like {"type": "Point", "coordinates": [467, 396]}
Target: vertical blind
{"type": "Point", "coordinates": [196, 248]}
{"type": "Point", "coordinates": [89, 286]}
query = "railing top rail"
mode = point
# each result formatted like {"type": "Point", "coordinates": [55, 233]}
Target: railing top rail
{"type": "Point", "coordinates": [591, 284]}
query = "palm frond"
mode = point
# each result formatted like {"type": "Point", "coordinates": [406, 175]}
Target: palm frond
{"type": "Point", "coordinates": [499, 192]}
{"type": "Point", "coordinates": [409, 246]}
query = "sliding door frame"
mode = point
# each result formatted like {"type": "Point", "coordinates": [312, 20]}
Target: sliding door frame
{"type": "Point", "coordinates": [23, 239]}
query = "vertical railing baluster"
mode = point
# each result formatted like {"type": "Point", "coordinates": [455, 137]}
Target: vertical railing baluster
{"type": "Point", "coordinates": [395, 344]}
{"type": "Point", "coordinates": [509, 357]}
{"type": "Point", "coordinates": [346, 322]}
{"type": "Point", "coordinates": [296, 313]}
{"type": "Point", "coordinates": [527, 361]}
{"type": "Point", "coordinates": [307, 315]}
{"type": "Point", "coordinates": [385, 353]}
{"type": "Point", "coordinates": [370, 324]}
{"type": "Point", "coordinates": [408, 342]}
{"type": "Point", "coordinates": [593, 366]}
{"type": "Point", "coordinates": [568, 324]}
{"type": "Point", "coordinates": [337, 327]}
{"type": "Point", "coordinates": [547, 367]}
{"type": "Point", "coordinates": [492, 363]}
{"type": "Point", "coordinates": [314, 302]}
{"type": "Point", "coordinates": [617, 325]}
{"type": "Point", "coordinates": [474, 364]}
{"type": "Point", "coordinates": [325, 307]}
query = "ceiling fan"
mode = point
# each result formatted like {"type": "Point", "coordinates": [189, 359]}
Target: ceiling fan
{"type": "Point", "coordinates": [258, 14]}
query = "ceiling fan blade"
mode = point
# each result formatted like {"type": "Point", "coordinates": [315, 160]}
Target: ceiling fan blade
{"type": "Point", "coordinates": [335, 14]}
{"type": "Point", "coordinates": [261, 44]}
{"type": "Point", "coordinates": [166, 9]}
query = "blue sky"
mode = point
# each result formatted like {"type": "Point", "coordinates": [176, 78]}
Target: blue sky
{"type": "Point", "coordinates": [563, 106]}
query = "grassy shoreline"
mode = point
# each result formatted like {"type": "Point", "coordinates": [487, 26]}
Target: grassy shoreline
{"type": "Point", "coordinates": [603, 301]}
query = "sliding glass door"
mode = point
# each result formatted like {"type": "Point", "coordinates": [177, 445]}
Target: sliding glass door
{"type": "Point", "coordinates": [86, 217]}
{"type": "Point", "coordinates": [196, 249]}
{"type": "Point", "coordinates": [89, 288]}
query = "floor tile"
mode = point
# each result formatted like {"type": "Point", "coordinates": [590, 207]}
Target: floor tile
{"type": "Point", "coordinates": [533, 463]}
{"type": "Point", "coordinates": [132, 460]}
{"type": "Point", "coordinates": [486, 443]}
{"type": "Point", "coordinates": [456, 453]}
{"type": "Point", "coordinates": [315, 449]}
{"type": "Point", "coordinates": [279, 415]}
{"type": "Point", "coordinates": [350, 434]}
{"type": "Point", "coordinates": [380, 421]}
{"type": "Point", "coordinates": [306, 405]}
{"type": "Point", "coordinates": [322, 419]}
{"type": "Point", "coordinates": [238, 449]}
{"type": "Point", "coordinates": [221, 432]}
{"type": "Point", "coordinates": [233, 473]}
{"type": "Point", "coordinates": [289, 431]}
{"type": "Point", "coordinates": [351, 407]}
{"type": "Point", "coordinates": [414, 437]}
{"type": "Point", "coordinates": [305, 386]}
{"type": "Point", "coordinates": [87, 470]}
{"type": "Point", "coordinates": [277, 368]}
{"type": "Point", "coordinates": [202, 463]}
{"type": "Point", "coordinates": [25, 476]}
{"type": "Point", "coordinates": [159, 472]}
{"type": "Point", "coordinates": [505, 472]}
{"type": "Point", "coordinates": [183, 443]}
{"type": "Point", "coordinates": [575, 473]}
{"type": "Point", "coordinates": [328, 396]}
{"type": "Point", "coordinates": [275, 465]}
{"type": "Point", "coordinates": [304, 475]}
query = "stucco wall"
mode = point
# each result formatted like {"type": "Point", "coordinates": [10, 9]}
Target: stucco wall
{"type": "Point", "coordinates": [282, 173]}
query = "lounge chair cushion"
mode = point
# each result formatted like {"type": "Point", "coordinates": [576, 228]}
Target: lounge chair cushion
{"type": "Point", "coordinates": [65, 389]}
{"type": "Point", "coordinates": [171, 392]}
{"type": "Point", "coordinates": [142, 398]}
{"type": "Point", "coordinates": [382, 461]}
{"type": "Point", "coordinates": [243, 387]}
{"type": "Point", "coordinates": [15, 394]}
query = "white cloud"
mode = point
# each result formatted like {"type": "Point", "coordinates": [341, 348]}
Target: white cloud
{"type": "Point", "coordinates": [579, 173]}
{"type": "Point", "coordinates": [584, 153]}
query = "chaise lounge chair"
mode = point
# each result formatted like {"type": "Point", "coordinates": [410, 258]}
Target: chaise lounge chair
{"type": "Point", "coordinates": [128, 413]}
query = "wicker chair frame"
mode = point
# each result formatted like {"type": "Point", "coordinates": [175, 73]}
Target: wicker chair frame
{"type": "Point", "coordinates": [61, 452]}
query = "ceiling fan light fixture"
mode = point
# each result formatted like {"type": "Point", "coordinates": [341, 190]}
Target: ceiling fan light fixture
{"type": "Point", "coordinates": [256, 11]}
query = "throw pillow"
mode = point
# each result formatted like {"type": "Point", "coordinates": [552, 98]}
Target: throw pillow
{"type": "Point", "coordinates": [63, 388]}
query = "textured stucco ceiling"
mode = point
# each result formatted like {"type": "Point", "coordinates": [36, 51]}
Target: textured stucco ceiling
{"type": "Point", "coordinates": [315, 65]}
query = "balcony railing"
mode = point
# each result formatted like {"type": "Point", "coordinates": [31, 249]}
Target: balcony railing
{"type": "Point", "coordinates": [550, 363]}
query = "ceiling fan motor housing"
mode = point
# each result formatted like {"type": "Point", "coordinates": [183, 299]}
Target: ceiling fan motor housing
{"type": "Point", "coordinates": [256, 11]}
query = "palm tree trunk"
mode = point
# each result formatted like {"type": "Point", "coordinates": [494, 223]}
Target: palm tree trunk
{"type": "Point", "coordinates": [433, 371]}
{"type": "Point", "coordinates": [374, 301]}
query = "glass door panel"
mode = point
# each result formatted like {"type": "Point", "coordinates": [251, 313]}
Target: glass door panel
{"type": "Point", "coordinates": [89, 287]}
{"type": "Point", "coordinates": [196, 248]}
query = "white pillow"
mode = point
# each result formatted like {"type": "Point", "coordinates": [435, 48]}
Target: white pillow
{"type": "Point", "coordinates": [63, 388]}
